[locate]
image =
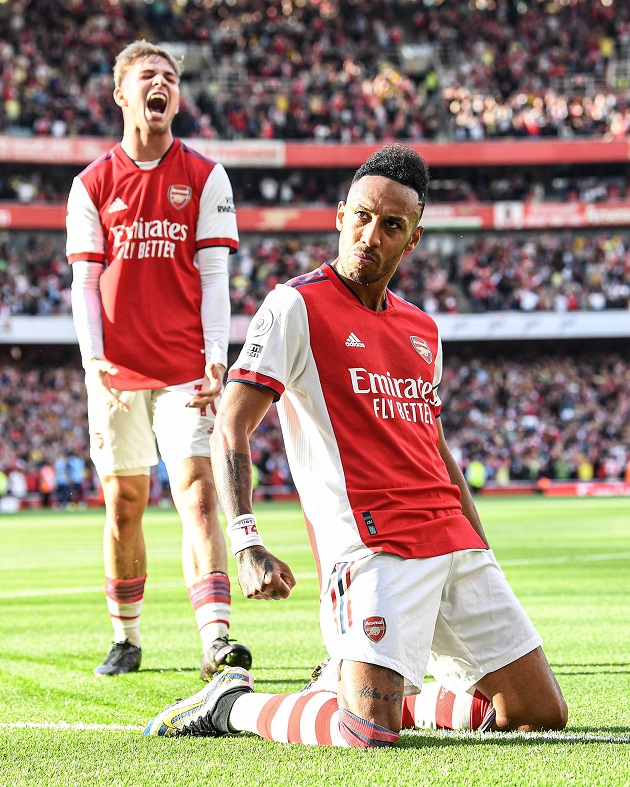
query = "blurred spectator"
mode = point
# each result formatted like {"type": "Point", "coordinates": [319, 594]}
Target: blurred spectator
{"type": "Point", "coordinates": [62, 472]}
{"type": "Point", "coordinates": [76, 477]}
{"type": "Point", "coordinates": [17, 486]}
{"type": "Point", "coordinates": [46, 483]}
{"type": "Point", "coordinates": [475, 474]}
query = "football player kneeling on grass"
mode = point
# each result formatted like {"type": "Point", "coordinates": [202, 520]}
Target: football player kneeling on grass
{"type": "Point", "coordinates": [409, 584]}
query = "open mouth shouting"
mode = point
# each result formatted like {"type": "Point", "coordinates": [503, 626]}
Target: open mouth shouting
{"type": "Point", "coordinates": [156, 104]}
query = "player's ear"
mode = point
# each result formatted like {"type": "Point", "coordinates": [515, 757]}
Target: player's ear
{"type": "Point", "coordinates": [341, 209]}
{"type": "Point", "coordinates": [119, 97]}
{"type": "Point", "coordinates": [414, 239]}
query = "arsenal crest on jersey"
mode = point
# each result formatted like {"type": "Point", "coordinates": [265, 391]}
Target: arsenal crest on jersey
{"type": "Point", "coordinates": [422, 348]}
{"type": "Point", "coordinates": [374, 628]}
{"type": "Point", "coordinates": [179, 196]}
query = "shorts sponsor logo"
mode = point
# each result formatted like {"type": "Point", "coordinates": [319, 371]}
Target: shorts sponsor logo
{"type": "Point", "coordinates": [253, 350]}
{"type": "Point", "coordinates": [375, 628]}
{"type": "Point", "coordinates": [179, 196]}
{"type": "Point", "coordinates": [422, 348]}
{"type": "Point", "coordinates": [261, 323]}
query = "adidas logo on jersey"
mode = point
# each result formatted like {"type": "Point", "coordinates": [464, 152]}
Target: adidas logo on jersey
{"type": "Point", "coordinates": [354, 341]}
{"type": "Point", "coordinates": [117, 205]}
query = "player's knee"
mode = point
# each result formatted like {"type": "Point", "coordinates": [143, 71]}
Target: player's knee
{"type": "Point", "coordinates": [557, 715]}
{"type": "Point", "coordinates": [362, 734]}
{"type": "Point", "coordinates": [193, 485]}
{"type": "Point", "coordinates": [552, 713]}
{"type": "Point", "coordinates": [548, 714]}
{"type": "Point", "coordinates": [124, 514]}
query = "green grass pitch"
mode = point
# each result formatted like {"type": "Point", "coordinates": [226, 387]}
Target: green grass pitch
{"type": "Point", "coordinates": [567, 559]}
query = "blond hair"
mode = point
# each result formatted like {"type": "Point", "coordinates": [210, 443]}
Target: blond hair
{"type": "Point", "coordinates": [138, 49]}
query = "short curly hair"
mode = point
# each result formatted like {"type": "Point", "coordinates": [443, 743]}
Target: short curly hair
{"type": "Point", "coordinates": [128, 56]}
{"type": "Point", "coordinates": [401, 163]}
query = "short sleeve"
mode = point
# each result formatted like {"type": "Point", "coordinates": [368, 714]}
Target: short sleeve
{"type": "Point", "coordinates": [84, 232]}
{"type": "Point", "coordinates": [277, 344]}
{"type": "Point", "coordinates": [217, 215]}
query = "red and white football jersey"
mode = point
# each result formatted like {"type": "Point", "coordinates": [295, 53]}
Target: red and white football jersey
{"type": "Point", "coordinates": [145, 227]}
{"type": "Point", "coordinates": [357, 399]}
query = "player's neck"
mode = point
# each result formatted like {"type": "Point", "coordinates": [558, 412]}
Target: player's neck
{"type": "Point", "coordinates": [140, 146]}
{"type": "Point", "coordinates": [372, 296]}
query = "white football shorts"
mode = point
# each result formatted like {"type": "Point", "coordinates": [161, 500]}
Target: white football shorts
{"type": "Point", "coordinates": [453, 616]}
{"type": "Point", "coordinates": [125, 443]}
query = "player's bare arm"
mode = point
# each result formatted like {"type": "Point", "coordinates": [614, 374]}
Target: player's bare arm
{"type": "Point", "coordinates": [457, 477]}
{"type": "Point", "coordinates": [260, 574]}
{"type": "Point", "coordinates": [242, 408]}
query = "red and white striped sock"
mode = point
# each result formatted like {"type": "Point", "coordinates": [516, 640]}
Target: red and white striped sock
{"type": "Point", "coordinates": [438, 708]}
{"type": "Point", "coordinates": [313, 718]}
{"type": "Point", "coordinates": [210, 598]}
{"type": "Point", "coordinates": [124, 602]}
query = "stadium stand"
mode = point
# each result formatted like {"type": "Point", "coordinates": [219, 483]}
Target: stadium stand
{"type": "Point", "coordinates": [330, 71]}
{"type": "Point", "coordinates": [561, 272]}
{"type": "Point", "coordinates": [545, 416]}
{"type": "Point", "coordinates": [521, 109]}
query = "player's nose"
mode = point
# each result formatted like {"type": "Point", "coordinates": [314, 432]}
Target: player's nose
{"type": "Point", "coordinates": [370, 235]}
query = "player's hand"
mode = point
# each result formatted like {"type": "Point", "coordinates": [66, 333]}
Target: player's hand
{"type": "Point", "coordinates": [262, 575]}
{"type": "Point", "coordinates": [97, 378]}
{"type": "Point", "coordinates": [211, 387]}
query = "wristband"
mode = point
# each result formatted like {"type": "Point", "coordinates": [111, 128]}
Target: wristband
{"type": "Point", "coordinates": [243, 533]}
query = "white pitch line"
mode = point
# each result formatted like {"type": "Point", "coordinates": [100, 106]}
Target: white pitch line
{"type": "Point", "coordinates": [534, 561]}
{"type": "Point", "coordinates": [75, 591]}
{"type": "Point", "coordinates": [551, 737]}
{"type": "Point", "coordinates": [39, 592]}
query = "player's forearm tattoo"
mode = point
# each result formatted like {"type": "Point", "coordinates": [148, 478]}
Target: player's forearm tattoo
{"type": "Point", "coordinates": [235, 483]}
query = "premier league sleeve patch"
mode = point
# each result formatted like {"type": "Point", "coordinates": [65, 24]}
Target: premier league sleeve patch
{"type": "Point", "coordinates": [375, 628]}
{"type": "Point", "coordinates": [261, 323]}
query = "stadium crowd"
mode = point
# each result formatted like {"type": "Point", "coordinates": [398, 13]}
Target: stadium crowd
{"type": "Point", "coordinates": [555, 417]}
{"type": "Point", "coordinates": [326, 187]}
{"type": "Point", "coordinates": [327, 71]}
{"type": "Point", "coordinates": [560, 271]}
{"type": "Point", "coordinates": [300, 69]}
